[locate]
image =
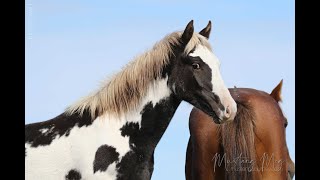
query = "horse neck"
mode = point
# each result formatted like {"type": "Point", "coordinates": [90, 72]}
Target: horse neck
{"type": "Point", "coordinates": [146, 124]}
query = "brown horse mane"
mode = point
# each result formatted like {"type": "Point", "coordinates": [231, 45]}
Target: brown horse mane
{"type": "Point", "coordinates": [238, 141]}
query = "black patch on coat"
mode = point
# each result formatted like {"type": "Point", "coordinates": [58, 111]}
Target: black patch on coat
{"type": "Point", "coordinates": [73, 175]}
{"type": "Point", "coordinates": [105, 156]}
{"type": "Point", "coordinates": [58, 126]}
{"type": "Point", "coordinates": [139, 162]}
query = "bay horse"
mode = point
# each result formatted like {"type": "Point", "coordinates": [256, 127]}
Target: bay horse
{"type": "Point", "coordinates": [253, 146]}
{"type": "Point", "coordinates": [113, 133]}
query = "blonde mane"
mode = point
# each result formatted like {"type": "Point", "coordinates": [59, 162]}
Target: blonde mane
{"type": "Point", "coordinates": [125, 89]}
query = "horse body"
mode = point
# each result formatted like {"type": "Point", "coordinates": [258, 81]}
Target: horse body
{"type": "Point", "coordinates": [253, 146]}
{"type": "Point", "coordinates": [112, 134]}
{"type": "Point", "coordinates": [122, 142]}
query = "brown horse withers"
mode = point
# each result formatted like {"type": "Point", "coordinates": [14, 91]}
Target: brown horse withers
{"type": "Point", "coordinates": [253, 146]}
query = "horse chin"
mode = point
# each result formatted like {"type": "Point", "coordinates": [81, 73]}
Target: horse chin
{"type": "Point", "coordinates": [206, 108]}
{"type": "Point", "coordinates": [215, 118]}
{"type": "Point", "coordinates": [217, 121]}
{"type": "Point", "coordinates": [207, 103]}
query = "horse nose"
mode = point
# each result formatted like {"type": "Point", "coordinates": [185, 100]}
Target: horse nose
{"type": "Point", "coordinates": [226, 114]}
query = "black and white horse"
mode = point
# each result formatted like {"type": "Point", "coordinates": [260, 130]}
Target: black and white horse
{"type": "Point", "coordinates": [112, 133]}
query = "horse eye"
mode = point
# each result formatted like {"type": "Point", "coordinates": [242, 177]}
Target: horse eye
{"type": "Point", "coordinates": [196, 66]}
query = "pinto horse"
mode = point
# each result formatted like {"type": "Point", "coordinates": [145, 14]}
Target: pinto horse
{"type": "Point", "coordinates": [253, 146]}
{"type": "Point", "coordinates": [113, 133]}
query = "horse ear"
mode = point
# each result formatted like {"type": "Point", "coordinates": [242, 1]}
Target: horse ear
{"type": "Point", "coordinates": [276, 92]}
{"type": "Point", "coordinates": [187, 33]}
{"type": "Point", "coordinates": [206, 31]}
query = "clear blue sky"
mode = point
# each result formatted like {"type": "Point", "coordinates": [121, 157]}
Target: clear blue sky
{"type": "Point", "coordinates": [71, 46]}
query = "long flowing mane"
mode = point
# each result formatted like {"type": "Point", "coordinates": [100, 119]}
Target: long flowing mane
{"type": "Point", "coordinates": [125, 89]}
{"type": "Point", "coordinates": [238, 141]}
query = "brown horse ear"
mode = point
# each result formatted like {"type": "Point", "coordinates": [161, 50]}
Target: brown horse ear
{"type": "Point", "coordinates": [276, 92]}
{"type": "Point", "coordinates": [206, 31]}
{"type": "Point", "coordinates": [187, 33]}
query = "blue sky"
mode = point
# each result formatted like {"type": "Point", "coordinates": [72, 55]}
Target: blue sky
{"type": "Point", "coordinates": [71, 46]}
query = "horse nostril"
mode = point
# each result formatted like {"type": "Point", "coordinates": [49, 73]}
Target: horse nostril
{"type": "Point", "coordinates": [228, 110]}
{"type": "Point", "coordinates": [227, 114]}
